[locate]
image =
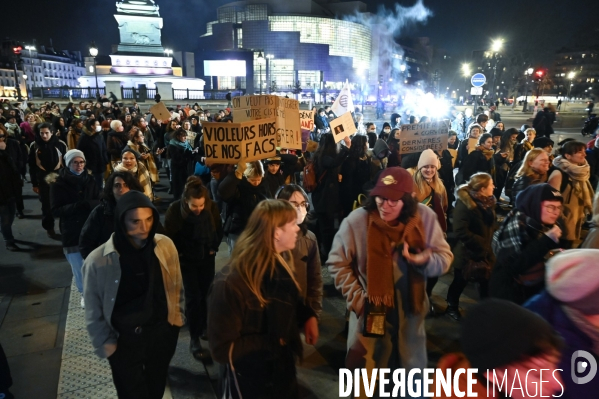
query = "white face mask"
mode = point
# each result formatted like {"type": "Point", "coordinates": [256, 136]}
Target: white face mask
{"type": "Point", "coordinates": [301, 214]}
{"type": "Point", "coordinates": [98, 128]}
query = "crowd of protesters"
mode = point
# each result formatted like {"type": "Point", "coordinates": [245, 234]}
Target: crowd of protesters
{"type": "Point", "coordinates": [503, 208]}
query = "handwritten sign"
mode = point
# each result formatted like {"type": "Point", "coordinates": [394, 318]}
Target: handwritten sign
{"type": "Point", "coordinates": [307, 120]}
{"type": "Point", "coordinates": [284, 110]}
{"type": "Point", "coordinates": [472, 144]}
{"type": "Point", "coordinates": [418, 137]}
{"type": "Point", "coordinates": [230, 143]}
{"type": "Point", "coordinates": [160, 112]}
{"type": "Point", "coordinates": [343, 127]}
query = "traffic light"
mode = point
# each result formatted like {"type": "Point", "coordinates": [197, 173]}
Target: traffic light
{"type": "Point", "coordinates": [539, 73]}
{"type": "Point", "coordinates": [17, 49]}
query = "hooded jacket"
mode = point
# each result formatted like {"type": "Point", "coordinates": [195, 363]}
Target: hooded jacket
{"type": "Point", "coordinates": [102, 276]}
{"type": "Point", "coordinates": [45, 157]}
{"type": "Point", "coordinates": [241, 198]}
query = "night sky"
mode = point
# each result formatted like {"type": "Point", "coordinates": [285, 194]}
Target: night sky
{"type": "Point", "coordinates": [458, 26]}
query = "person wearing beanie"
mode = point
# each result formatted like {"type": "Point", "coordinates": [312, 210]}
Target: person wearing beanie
{"type": "Point", "coordinates": [383, 288]}
{"type": "Point", "coordinates": [569, 304]}
{"type": "Point", "coordinates": [134, 298]}
{"type": "Point", "coordinates": [131, 162]}
{"type": "Point", "coordinates": [502, 339]}
{"type": "Point", "coordinates": [523, 240]}
{"type": "Point", "coordinates": [73, 195]}
{"type": "Point", "coordinates": [543, 142]}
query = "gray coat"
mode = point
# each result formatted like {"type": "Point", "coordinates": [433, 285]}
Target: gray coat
{"type": "Point", "coordinates": [101, 276]}
{"type": "Point", "coordinates": [347, 265]}
{"type": "Point", "coordinates": [306, 260]}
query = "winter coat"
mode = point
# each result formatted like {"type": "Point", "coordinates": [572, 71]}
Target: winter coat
{"type": "Point", "coordinates": [181, 158]}
{"type": "Point", "coordinates": [94, 148]}
{"type": "Point", "coordinates": [98, 228]}
{"type": "Point", "coordinates": [325, 197]}
{"type": "Point", "coordinates": [475, 162]}
{"type": "Point", "coordinates": [37, 170]}
{"type": "Point", "coordinates": [524, 181]}
{"type": "Point", "coordinates": [322, 123]}
{"type": "Point", "coordinates": [347, 265]}
{"type": "Point", "coordinates": [306, 261]}
{"type": "Point", "coordinates": [72, 199]}
{"type": "Point", "coordinates": [10, 180]}
{"type": "Point", "coordinates": [355, 174]}
{"type": "Point", "coordinates": [116, 142]}
{"type": "Point", "coordinates": [510, 264]}
{"type": "Point", "coordinates": [240, 332]}
{"type": "Point", "coordinates": [181, 232]}
{"type": "Point", "coordinates": [473, 228]}
{"type": "Point", "coordinates": [73, 138]}
{"type": "Point", "coordinates": [551, 310]}
{"type": "Point", "coordinates": [592, 239]}
{"type": "Point", "coordinates": [241, 198]}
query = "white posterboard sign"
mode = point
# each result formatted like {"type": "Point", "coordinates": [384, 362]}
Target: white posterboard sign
{"type": "Point", "coordinates": [421, 136]}
{"type": "Point", "coordinates": [343, 127]}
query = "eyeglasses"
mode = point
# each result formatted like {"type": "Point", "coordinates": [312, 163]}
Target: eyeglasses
{"type": "Point", "coordinates": [381, 201]}
{"type": "Point", "coordinates": [78, 162]}
{"type": "Point", "coordinates": [553, 208]}
{"type": "Point", "coordinates": [299, 205]}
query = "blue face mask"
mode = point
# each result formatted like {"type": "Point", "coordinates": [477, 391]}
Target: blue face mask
{"type": "Point", "coordinates": [75, 173]}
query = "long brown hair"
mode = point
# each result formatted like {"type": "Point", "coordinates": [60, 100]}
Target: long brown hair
{"type": "Point", "coordinates": [254, 254]}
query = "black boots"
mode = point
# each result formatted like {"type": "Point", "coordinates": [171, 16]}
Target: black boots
{"type": "Point", "coordinates": [195, 347]}
{"type": "Point", "coordinates": [453, 311]}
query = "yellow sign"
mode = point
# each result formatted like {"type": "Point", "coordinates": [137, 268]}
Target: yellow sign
{"type": "Point", "coordinates": [343, 127]}
{"type": "Point", "coordinates": [230, 143]}
{"type": "Point", "coordinates": [421, 136]}
{"type": "Point", "coordinates": [160, 112]}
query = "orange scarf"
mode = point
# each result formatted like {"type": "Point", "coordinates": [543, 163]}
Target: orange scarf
{"type": "Point", "coordinates": [382, 242]}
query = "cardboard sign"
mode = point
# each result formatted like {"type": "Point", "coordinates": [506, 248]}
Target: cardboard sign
{"type": "Point", "coordinates": [343, 127]}
{"type": "Point", "coordinates": [230, 143]}
{"type": "Point", "coordinates": [284, 110]}
{"type": "Point", "coordinates": [307, 120]}
{"type": "Point", "coordinates": [421, 136]}
{"type": "Point", "coordinates": [160, 112]}
{"type": "Point", "coordinates": [472, 144]}
{"type": "Point", "coordinates": [454, 155]}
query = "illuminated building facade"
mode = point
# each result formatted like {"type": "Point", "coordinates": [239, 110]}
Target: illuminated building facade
{"type": "Point", "coordinates": [300, 40]}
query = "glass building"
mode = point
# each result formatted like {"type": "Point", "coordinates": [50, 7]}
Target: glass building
{"type": "Point", "coordinates": [299, 42]}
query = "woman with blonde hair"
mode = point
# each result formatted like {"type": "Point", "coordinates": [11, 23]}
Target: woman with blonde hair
{"type": "Point", "coordinates": [534, 170]}
{"type": "Point", "coordinates": [521, 148]}
{"type": "Point", "coordinates": [255, 308]}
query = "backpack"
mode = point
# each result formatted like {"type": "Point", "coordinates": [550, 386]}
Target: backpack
{"type": "Point", "coordinates": [310, 181]}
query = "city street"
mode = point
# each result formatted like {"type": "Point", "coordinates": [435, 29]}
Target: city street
{"type": "Point", "coordinates": [43, 332]}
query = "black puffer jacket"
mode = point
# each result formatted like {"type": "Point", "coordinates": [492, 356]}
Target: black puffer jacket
{"type": "Point", "coordinates": [241, 198]}
{"type": "Point", "coordinates": [72, 199]}
{"type": "Point", "coordinates": [98, 228]}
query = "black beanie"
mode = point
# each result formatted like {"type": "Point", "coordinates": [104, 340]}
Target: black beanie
{"type": "Point", "coordinates": [528, 201]}
{"type": "Point", "coordinates": [542, 142]}
{"type": "Point", "coordinates": [497, 332]}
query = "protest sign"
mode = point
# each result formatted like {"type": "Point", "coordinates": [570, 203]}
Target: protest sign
{"type": "Point", "coordinates": [160, 112]}
{"type": "Point", "coordinates": [454, 156]}
{"type": "Point", "coordinates": [307, 120]}
{"type": "Point", "coordinates": [284, 110]}
{"type": "Point", "coordinates": [230, 143]}
{"type": "Point", "coordinates": [418, 137]}
{"type": "Point", "coordinates": [343, 126]}
{"type": "Point", "coordinates": [472, 144]}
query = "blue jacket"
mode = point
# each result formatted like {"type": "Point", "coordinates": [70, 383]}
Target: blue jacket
{"type": "Point", "coordinates": [550, 309]}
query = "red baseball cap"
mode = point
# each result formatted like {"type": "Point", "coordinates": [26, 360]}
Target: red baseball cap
{"type": "Point", "coordinates": [393, 183]}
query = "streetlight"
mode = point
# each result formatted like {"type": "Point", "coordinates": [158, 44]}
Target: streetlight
{"type": "Point", "coordinates": [260, 59]}
{"type": "Point", "coordinates": [269, 57]}
{"type": "Point", "coordinates": [495, 47]}
{"type": "Point", "coordinates": [30, 48]}
{"type": "Point", "coordinates": [571, 77]}
{"type": "Point", "coordinates": [527, 74]}
{"type": "Point", "coordinates": [93, 51]}
{"type": "Point", "coordinates": [168, 52]}
{"type": "Point", "coordinates": [26, 91]}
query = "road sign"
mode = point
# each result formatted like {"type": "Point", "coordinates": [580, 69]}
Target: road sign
{"type": "Point", "coordinates": [478, 80]}
{"type": "Point", "coordinates": [476, 91]}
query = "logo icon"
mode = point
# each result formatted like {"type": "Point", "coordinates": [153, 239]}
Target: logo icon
{"type": "Point", "coordinates": [388, 180]}
{"type": "Point", "coordinates": [578, 366]}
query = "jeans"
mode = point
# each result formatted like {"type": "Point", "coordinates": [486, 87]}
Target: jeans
{"type": "Point", "coordinates": [231, 240]}
{"type": "Point", "coordinates": [7, 217]}
{"type": "Point", "coordinates": [76, 261]}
